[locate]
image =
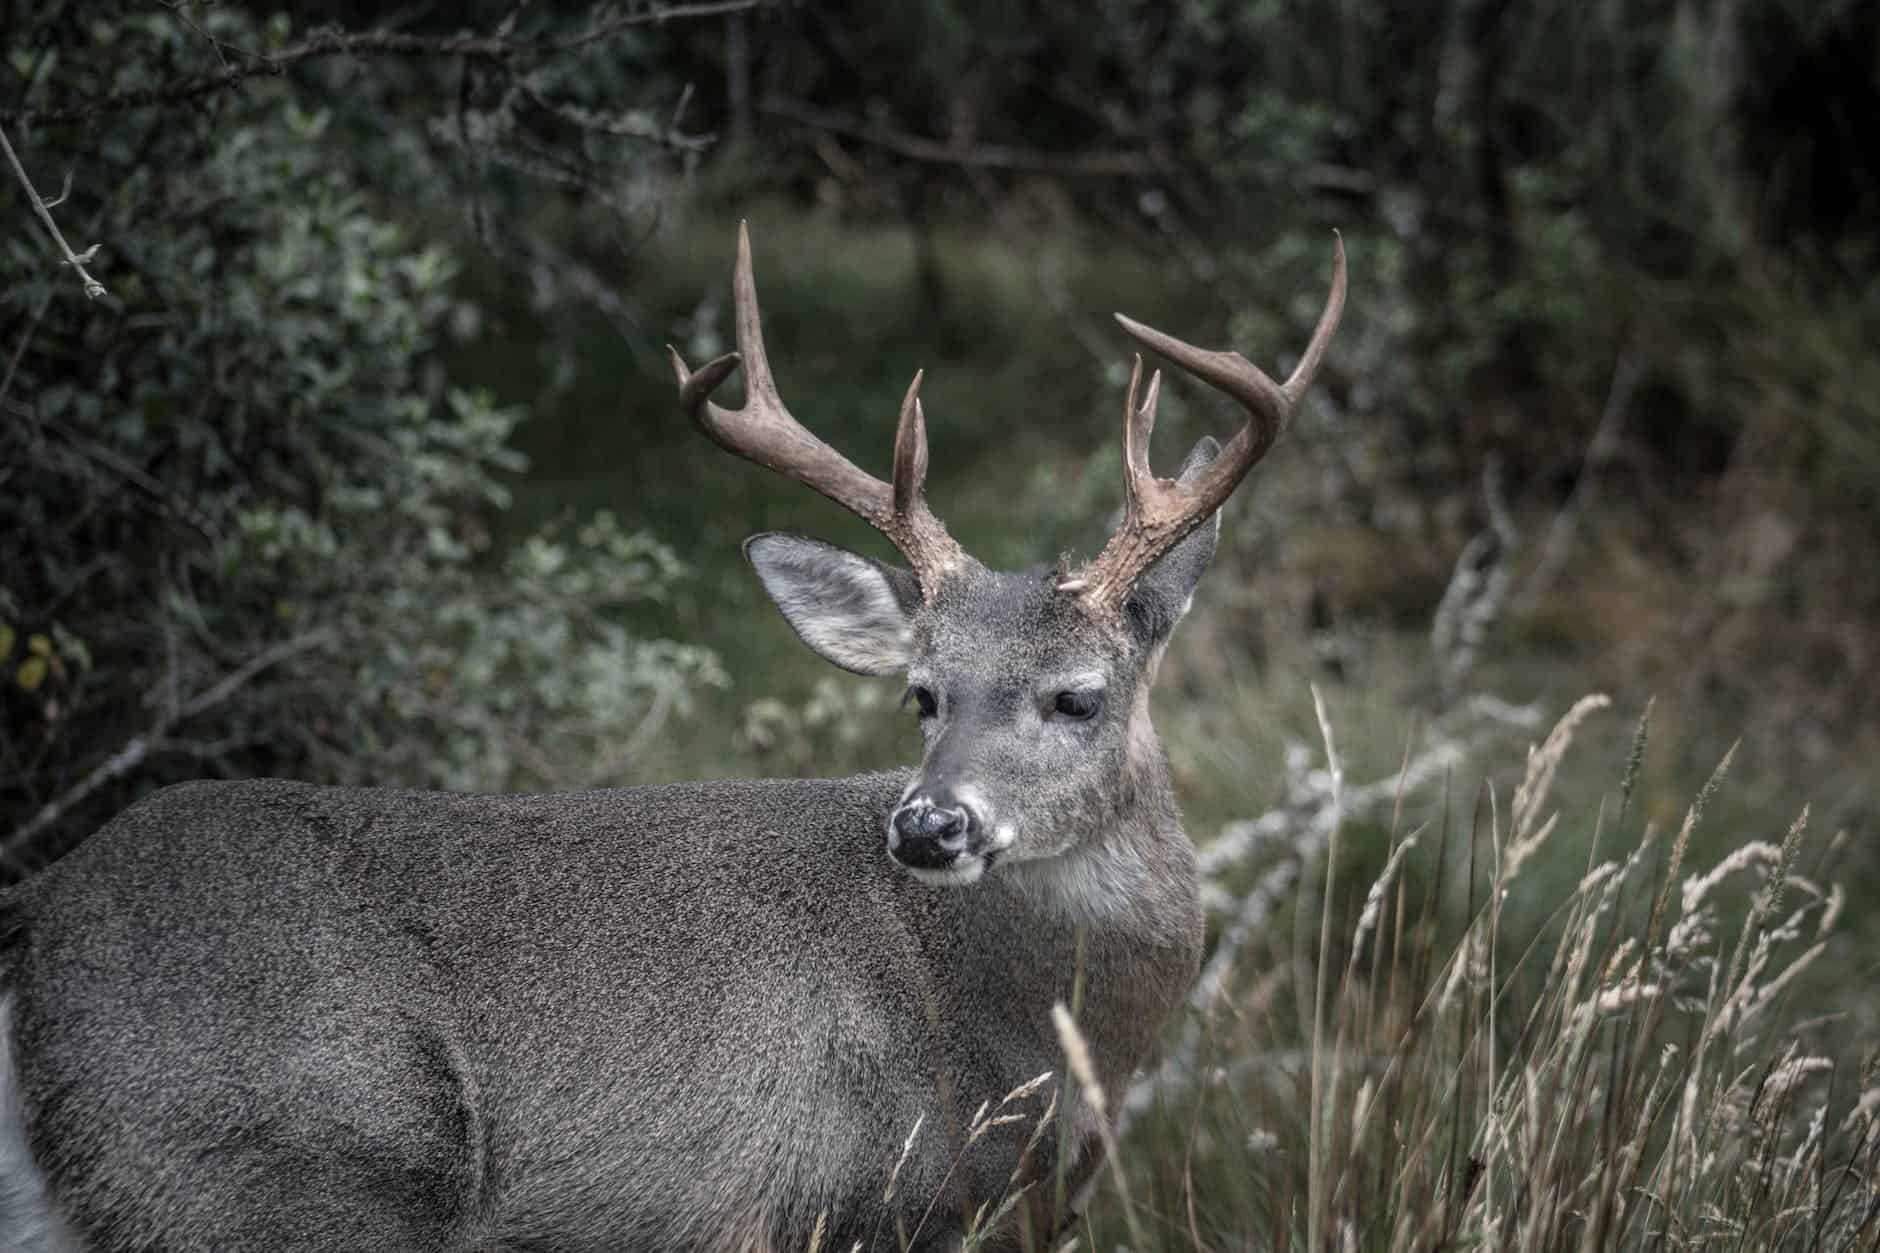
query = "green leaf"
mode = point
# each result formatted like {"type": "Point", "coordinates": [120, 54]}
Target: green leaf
{"type": "Point", "coordinates": [31, 674]}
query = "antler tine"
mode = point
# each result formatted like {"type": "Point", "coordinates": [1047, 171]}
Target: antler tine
{"type": "Point", "coordinates": [1138, 425]}
{"type": "Point", "coordinates": [763, 431]}
{"type": "Point", "coordinates": [1334, 311]}
{"type": "Point", "coordinates": [696, 387]}
{"type": "Point", "coordinates": [1159, 513]}
{"type": "Point", "coordinates": [910, 452]}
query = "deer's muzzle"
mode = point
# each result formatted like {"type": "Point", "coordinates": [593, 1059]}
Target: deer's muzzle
{"type": "Point", "coordinates": [934, 830]}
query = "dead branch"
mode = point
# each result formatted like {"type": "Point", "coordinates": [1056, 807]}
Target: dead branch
{"type": "Point", "coordinates": [126, 469]}
{"type": "Point", "coordinates": [155, 739]}
{"type": "Point", "coordinates": [1579, 502]}
{"type": "Point", "coordinates": [973, 156]}
{"type": "Point", "coordinates": [618, 126]}
{"type": "Point", "coordinates": [1478, 588]}
{"type": "Point", "coordinates": [93, 288]}
{"type": "Point", "coordinates": [371, 43]}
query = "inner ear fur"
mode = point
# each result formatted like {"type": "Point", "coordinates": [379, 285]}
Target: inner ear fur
{"type": "Point", "coordinates": [853, 611]}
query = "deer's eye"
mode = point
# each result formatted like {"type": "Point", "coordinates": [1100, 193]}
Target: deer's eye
{"type": "Point", "coordinates": [923, 699]}
{"type": "Point", "coordinates": [1078, 706]}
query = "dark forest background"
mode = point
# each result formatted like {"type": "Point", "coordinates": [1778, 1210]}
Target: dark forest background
{"type": "Point", "coordinates": [365, 465]}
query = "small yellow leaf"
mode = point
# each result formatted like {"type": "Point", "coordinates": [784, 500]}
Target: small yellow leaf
{"type": "Point", "coordinates": [39, 645]}
{"type": "Point", "coordinates": [31, 674]}
{"type": "Point", "coordinates": [7, 637]}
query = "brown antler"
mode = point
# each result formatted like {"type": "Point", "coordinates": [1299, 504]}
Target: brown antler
{"type": "Point", "coordinates": [1159, 513]}
{"type": "Point", "coordinates": [763, 431]}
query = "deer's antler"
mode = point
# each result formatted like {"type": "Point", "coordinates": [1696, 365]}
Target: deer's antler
{"type": "Point", "coordinates": [1159, 513]}
{"type": "Point", "coordinates": [763, 431]}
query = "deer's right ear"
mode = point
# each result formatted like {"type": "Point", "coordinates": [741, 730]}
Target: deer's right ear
{"type": "Point", "coordinates": [854, 611]}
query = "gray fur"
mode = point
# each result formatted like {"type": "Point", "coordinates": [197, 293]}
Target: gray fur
{"type": "Point", "coordinates": [272, 1015]}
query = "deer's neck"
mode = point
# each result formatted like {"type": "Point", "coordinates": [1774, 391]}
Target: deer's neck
{"type": "Point", "coordinates": [1117, 919]}
{"type": "Point", "coordinates": [1132, 870]}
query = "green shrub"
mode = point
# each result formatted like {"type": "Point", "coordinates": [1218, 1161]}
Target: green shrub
{"type": "Point", "coordinates": [247, 513]}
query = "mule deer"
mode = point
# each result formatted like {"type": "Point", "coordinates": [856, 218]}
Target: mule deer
{"type": "Point", "coordinates": [268, 1015]}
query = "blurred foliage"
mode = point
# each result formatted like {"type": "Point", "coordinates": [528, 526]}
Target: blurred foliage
{"type": "Point", "coordinates": [247, 515]}
{"type": "Point", "coordinates": [1539, 200]}
{"type": "Point", "coordinates": [368, 469]}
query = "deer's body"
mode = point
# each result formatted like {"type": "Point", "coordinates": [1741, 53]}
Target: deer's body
{"type": "Point", "coordinates": [694, 1016]}
{"type": "Point", "coordinates": [711, 1016]}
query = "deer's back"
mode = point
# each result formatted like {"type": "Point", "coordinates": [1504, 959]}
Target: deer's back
{"type": "Point", "coordinates": [652, 1016]}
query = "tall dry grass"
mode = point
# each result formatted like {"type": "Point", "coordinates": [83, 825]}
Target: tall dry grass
{"type": "Point", "coordinates": [1641, 1076]}
{"type": "Point", "coordinates": [1378, 1070]}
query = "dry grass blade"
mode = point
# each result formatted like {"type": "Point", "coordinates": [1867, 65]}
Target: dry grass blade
{"type": "Point", "coordinates": [1077, 1058]}
{"type": "Point", "coordinates": [1637, 1076]}
{"type": "Point", "coordinates": [1683, 842]}
{"type": "Point", "coordinates": [1317, 1156]}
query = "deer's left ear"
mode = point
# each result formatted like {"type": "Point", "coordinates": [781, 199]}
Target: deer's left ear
{"type": "Point", "coordinates": [1166, 589]}
{"type": "Point", "coordinates": [852, 610]}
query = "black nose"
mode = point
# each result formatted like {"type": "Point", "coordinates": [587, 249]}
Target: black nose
{"type": "Point", "coordinates": [930, 833]}
{"type": "Point", "coordinates": [926, 820]}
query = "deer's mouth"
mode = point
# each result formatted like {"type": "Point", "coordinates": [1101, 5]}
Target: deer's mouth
{"type": "Point", "coordinates": [966, 868]}
{"type": "Point", "coordinates": [949, 862]}
{"type": "Point", "coordinates": [969, 866]}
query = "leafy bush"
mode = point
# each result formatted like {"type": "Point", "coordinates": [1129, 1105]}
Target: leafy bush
{"type": "Point", "coordinates": [247, 513]}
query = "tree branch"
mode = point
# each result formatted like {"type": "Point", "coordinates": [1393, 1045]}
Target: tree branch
{"type": "Point", "coordinates": [139, 747]}
{"type": "Point", "coordinates": [618, 126]}
{"type": "Point", "coordinates": [371, 43]}
{"type": "Point", "coordinates": [1625, 377]}
{"type": "Point", "coordinates": [976, 156]}
{"type": "Point", "coordinates": [116, 463]}
{"type": "Point", "coordinates": [93, 288]}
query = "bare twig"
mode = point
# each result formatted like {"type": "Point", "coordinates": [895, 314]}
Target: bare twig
{"type": "Point", "coordinates": [155, 739]}
{"type": "Point", "coordinates": [646, 17]}
{"type": "Point", "coordinates": [65, 190]}
{"type": "Point", "coordinates": [1316, 1152]}
{"type": "Point", "coordinates": [120, 465]}
{"type": "Point", "coordinates": [25, 342]}
{"type": "Point", "coordinates": [544, 259]}
{"type": "Point", "coordinates": [618, 126]}
{"type": "Point", "coordinates": [180, 9]}
{"type": "Point", "coordinates": [1566, 523]}
{"type": "Point", "coordinates": [207, 750]}
{"type": "Point", "coordinates": [678, 111]}
{"type": "Point", "coordinates": [93, 288]}
{"type": "Point", "coordinates": [974, 156]}
{"type": "Point", "coordinates": [1478, 589]}
{"type": "Point", "coordinates": [238, 678]}
{"type": "Point", "coordinates": [372, 43]}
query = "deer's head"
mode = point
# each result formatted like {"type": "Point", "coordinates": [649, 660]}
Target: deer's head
{"type": "Point", "coordinates": [1031, 688]}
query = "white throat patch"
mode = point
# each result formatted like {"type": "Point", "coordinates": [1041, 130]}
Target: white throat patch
{"type": "Point", "coordinates": [969, 868]}
{"type": "Point", "coordinates": [1091, 884]}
